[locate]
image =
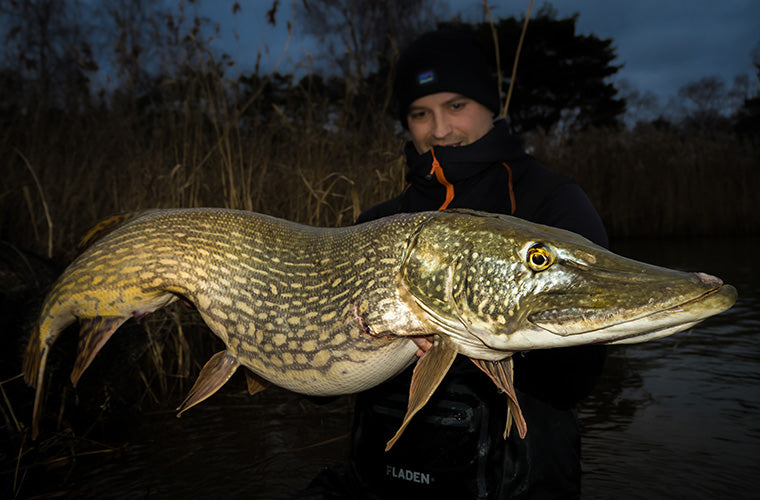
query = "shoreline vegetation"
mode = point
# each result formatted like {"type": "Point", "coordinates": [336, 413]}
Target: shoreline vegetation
{"type": "Point", "coordinates": [78, 169]}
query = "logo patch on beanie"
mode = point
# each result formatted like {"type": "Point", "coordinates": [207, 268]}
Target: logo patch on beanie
{"type": "Point", "coordinates": [426, 77]}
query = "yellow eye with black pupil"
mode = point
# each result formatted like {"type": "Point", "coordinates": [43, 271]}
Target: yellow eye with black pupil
{"type": "Point", "coordinates": [540, 257]}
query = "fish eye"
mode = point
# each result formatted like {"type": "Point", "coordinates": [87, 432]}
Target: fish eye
{"type": "Point", "coordinates": [540, 257]}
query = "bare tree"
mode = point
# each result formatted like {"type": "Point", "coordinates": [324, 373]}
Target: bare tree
{"type": "Point", "coordinates": [359, 34]}
{"type": "Point", "coordinates": [45, 45]}
{"type": "Point", "coordinates": [707, 102]}
{"type": "Point", "coordinates": [705, 96]}
{"type": "Point", "coordinates": [641, 107]}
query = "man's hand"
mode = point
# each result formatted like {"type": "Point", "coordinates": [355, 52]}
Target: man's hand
{"type": "Point", "coordinates": [424, 344]}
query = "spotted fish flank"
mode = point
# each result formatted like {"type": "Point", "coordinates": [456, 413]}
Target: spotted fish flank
{"type": "Point", "coordinates": [331, 311]}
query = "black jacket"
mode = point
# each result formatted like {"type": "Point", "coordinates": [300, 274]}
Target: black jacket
{"type": "Point", "coordinates": [480, 176]}
{"type": "Point", "coordinates": [494, 174]}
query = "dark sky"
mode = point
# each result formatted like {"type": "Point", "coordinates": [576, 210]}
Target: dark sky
{"type": "Point", "coordinates": [664, 44]}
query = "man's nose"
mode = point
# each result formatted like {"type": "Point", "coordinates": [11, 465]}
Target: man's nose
{"type": "Point", "coordinates": [441, 127]}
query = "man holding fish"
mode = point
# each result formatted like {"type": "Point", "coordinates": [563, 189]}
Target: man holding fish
{"type": "Point", "coordinates": [462, 155]}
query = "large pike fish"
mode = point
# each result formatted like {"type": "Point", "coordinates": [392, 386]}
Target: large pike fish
{"type": "Point", "coordinates": [332, 311]}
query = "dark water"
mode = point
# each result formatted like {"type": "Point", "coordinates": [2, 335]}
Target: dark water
{"type": "Point", "coordinates": [680, 417]}
{"type": "Point", "coordinates": [673, 418]}
{"type": "Point", "coordinates": [232, 448]}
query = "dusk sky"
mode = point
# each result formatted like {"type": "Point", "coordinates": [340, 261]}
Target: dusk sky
{"type": "Point", "coordinates": [663, 44]}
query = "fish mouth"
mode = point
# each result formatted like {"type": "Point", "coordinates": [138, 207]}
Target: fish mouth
{"type": "Point", "coordinates": [717, 301]}
{"type": "Point", "coordinates": [602, 324]}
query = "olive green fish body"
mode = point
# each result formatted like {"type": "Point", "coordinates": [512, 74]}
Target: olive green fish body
{"type": "Point", "coordinates": [291, 302]}
{"type": "Point", "coordinates": [330, 311]}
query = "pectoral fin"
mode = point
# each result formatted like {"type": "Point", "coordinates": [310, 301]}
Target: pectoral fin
{"type": "Point", "coordinates": [501, 374]}
{"type": "Point", "coordinates": [214, 374]}
{"type": "Point", "coordinates": [428, 373]}
{"type": "Point", "coordinates": [93, 335]}
{"type": "Point", "coordinates": [255, 382]}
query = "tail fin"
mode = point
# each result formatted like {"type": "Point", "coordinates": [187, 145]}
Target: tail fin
{"type": "Point", "coordinates": [34, 373]}
{"type": "Point", "coordinates": [33, 357]}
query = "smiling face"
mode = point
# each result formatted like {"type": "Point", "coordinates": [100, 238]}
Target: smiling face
{"type": "Point", "coordinates": [447, 119]}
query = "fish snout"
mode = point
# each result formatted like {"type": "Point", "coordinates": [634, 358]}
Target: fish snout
{"type": "Point", "coordinates": [718, 295]}
{"type": "Point", "coordinates": [708, 280]}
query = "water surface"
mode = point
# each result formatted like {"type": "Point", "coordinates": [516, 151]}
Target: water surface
{"type": "Point", "coordinates": [680, 417]}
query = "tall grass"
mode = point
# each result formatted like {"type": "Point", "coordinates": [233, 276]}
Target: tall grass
{"type": "Point", "coordinates": [105, 161]}
{"type": "Point", "coordinates": [647, 182]}
{"type": "Point", "coordinates": [663, 181]}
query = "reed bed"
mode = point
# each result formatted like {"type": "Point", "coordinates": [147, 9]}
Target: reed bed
{"type": "Point", "coordinates": [653, 182]}
{"type": "Point", "coordinates": [94, 165]}
{"type": "Point", "coordinates": [63, 173]}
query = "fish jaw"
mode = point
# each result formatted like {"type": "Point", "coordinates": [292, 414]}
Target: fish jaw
{"type": "Point", "coordinates": [685, 316]}
{"type": "Point", "coordinates": [649, 325]}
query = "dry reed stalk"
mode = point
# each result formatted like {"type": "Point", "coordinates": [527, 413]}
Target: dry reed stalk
{"type": "Point", "coordinates": [16, 482]}
{"type": "Point", "coordinates": [495, 36]}
{"type": "Point", "coordinates": [43, 200]}
{"type": "Point", "coordinates": [8, 401]}
{"type": "Point", "coordinates": [156, 349]}
{"type": "Point", "coordinates": [517, 57]}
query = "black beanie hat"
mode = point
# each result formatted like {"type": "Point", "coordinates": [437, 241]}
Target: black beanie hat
{"type": "Point", "coordinates": [444, 61]}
